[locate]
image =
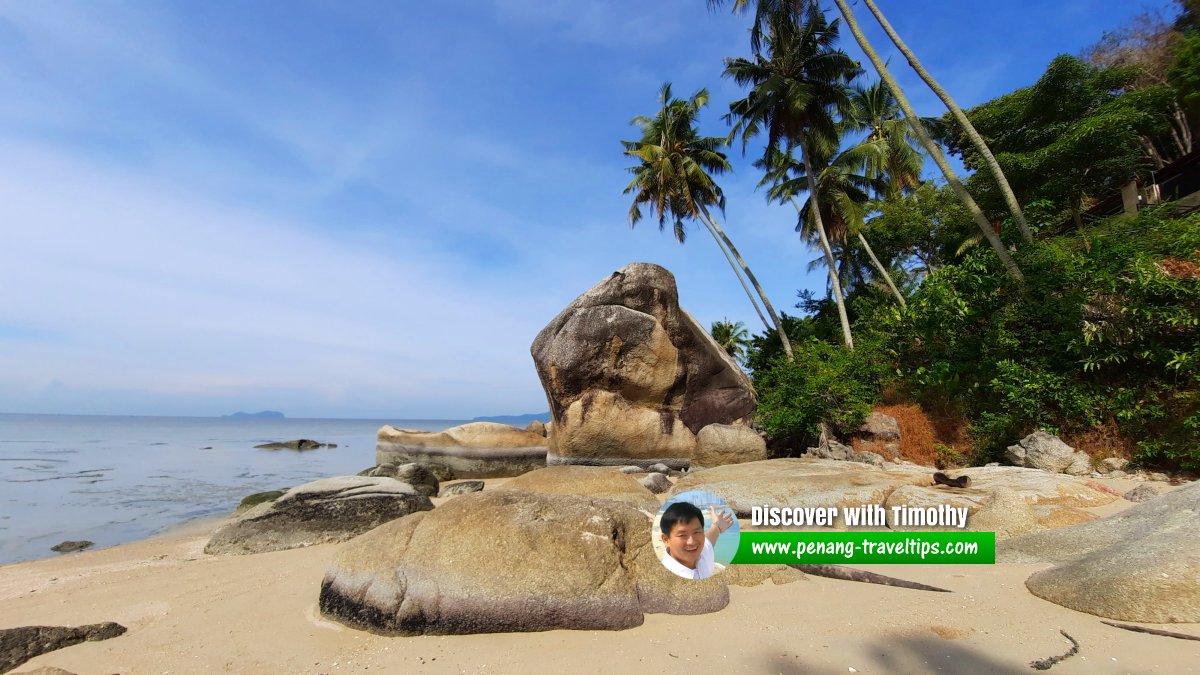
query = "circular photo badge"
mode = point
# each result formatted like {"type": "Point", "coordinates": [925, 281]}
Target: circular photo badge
{"type": "Point", "coordinates": [695, 534]}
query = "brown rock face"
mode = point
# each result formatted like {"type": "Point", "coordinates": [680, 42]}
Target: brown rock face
{"type": "Point", "coordinates": [631, 378]}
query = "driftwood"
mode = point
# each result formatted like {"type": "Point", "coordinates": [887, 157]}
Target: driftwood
{"type": "Point", "coordinates": [851, 574]}
{"type": "Point", "coordinates": [960, 482]}
{"type": "Point", "coordinates": [1045, 664]}
{"type": "Point", "coordinates": [1152, 631]}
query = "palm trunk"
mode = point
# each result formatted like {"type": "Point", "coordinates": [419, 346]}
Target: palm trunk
{"type": "Point", "coordinates": [787, 344]}
{"type": "Point", "coordinates": [930, 147]}
{"type": "Point", "coordinates": [738, 273]}
{"type": "Point", "coordinates": [980, 146]}
{"type": "Point", "coordinates": [829, 262]}
{"type": "Point", "coordinates": [882, 271]}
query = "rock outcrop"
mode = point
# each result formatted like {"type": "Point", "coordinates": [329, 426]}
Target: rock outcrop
{"type": "Point", "coordinates": [320, 512]}
{"type": "Point", "coordinates": [631, 378]}
{"type": "Point", "coordinates": [1138, 565]}
{"type": "Point", "coordinates": [509, 561]}
{"type": "Point", "coordinates": [1041, 450]}
{"type": "Point", "coordinates": [587, 481]}
{"type": "Point", "coordinates": [18, 645]}
{"type": "Point", "coordinates": [473, 450]}
{"type": "Point", "coordinates": [803, 482]}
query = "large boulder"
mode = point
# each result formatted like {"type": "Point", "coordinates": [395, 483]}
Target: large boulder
{"type": "Point", "coordinates": [321, 512]}
{"type": "Point", "coordinates": [880, 427]}
{"type": "Point", "coordinates": [587, 481]}
{"type": "Point", "coordinates": [508, 561]}
{"type": "Point", "coordinates": [631, 378]}
{"type": "Point", "coordinates": [473, 450]}
{"type": "Point", "coordinates": [1138, 565]}
{"type": "Point", "coordinates": [1041, 450]}
{"type": "Point", "coordinates": [720, 444]}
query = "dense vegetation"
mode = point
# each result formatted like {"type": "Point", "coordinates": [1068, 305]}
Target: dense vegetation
{"type": "Point", "coordinates": [998, 301]}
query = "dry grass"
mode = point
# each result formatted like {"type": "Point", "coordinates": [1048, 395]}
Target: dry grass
{"type": "Point", "coordinates": [1177, 268]}
{"type": "Point", "coordinates": [1102, 442]}
{"type": "Point", "coordinates": [919, 433]}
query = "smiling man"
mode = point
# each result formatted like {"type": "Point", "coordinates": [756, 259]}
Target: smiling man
{"type": "Point", "coordinates": [689, 547]}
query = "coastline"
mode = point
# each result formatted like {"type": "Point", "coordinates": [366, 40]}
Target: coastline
{"type": "Point", "coordinates": [191, 612]}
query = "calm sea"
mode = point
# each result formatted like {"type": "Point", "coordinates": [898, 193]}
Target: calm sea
{"type": "Point", "coordinates": [112, 480]}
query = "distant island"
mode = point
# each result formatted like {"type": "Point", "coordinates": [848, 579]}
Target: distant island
{"type": "Point", "coordinates": [262, 415]}
{"type": "Point", "coordinates": [516, 420]}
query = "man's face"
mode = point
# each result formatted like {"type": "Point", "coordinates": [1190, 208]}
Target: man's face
{"type": "Point", "coordinates": [685, 542]}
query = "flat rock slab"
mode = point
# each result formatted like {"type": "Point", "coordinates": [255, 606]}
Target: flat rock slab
{"type": "Point", "coordinates": [1037, 486]}
{"type": "Point", "coordinates": [799, 482]}
{"type": "Point", "coordinates": [1139, 565]}
{"type": "Point", "coordinates": [461, 488]}
{"type": "Point", "coordinates": [18, 645]}
{"type": "Point", "coordinates": [509, 561]}
{"type": "Point", "coordinates": [587, 481]}
{"type": "Point", "coordinates": [321, 512]}
{"type": "Point", "coordinates": [474, 450]}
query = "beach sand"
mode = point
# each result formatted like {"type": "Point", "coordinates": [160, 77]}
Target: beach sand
{"type": "Point", "coordinates": [188, 612]}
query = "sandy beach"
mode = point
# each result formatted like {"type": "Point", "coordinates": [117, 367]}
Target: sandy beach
{"type": "Point", "coordinates": [188, 612]}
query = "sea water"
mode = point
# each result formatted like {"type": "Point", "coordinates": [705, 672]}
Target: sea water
{"type": "Point", "coordinates": [112, 480]}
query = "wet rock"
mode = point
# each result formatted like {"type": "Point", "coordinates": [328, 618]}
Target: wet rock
{"type": "Point", "coordinates": [298, 444]}
{"type": "Point", "coordinates": [257, 498]}
{"type": "Point", "coordinates": [320, 512]}
{"type": "Point", "coordinates": [71, 546]}
{"type": "Point", "coordinates": [18, 645]}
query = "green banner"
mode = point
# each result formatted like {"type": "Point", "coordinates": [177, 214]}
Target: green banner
{"type": "Point", "coordinates": [867, 548]}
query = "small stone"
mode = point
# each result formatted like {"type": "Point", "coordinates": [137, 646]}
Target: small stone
{"type": "Point", "coordinates": [1117, 474]}
{"type": "Point", "coordinates": [657, 483]}
{"type": "Point", "coordinates": [1112, 464]}
{"type": "Point", "coordinates": [632, 469]}
{"type": "Point", "coordinates": [1161, 477]}
{"type": "Point", "coordinates": [1141, 493]}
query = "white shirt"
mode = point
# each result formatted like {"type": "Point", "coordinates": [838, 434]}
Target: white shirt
{"type": "Point", "coordinates": [704, 566]}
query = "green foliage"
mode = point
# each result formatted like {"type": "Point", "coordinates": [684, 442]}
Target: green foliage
{"type": "Point", "coordinates": [827, 383]}
{"type": "Point", "coordinates": [1106, 330]}
{"type": "Point", "coordinates": [1077, 133]}
{"type": "Point", "coordinates": [732, 337]}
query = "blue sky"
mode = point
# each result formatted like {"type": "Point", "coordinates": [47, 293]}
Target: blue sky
{"type": "Point", "coordinates": [368, 209]}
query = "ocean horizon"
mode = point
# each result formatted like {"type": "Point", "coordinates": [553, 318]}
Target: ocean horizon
{"type": "Point", "coordinates": [112, 479]}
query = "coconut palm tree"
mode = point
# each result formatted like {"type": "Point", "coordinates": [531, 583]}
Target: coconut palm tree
{"type": "Point", "coordinates": [732, 337]}
{"type": "Point", "coordinates": [796, 83]}
{"type": "Point", "coordinates": [673, 179]}
{"type": "Point", "coordinates": [959, 116]}
{"type": "Point", "coordinates": [932, 148]}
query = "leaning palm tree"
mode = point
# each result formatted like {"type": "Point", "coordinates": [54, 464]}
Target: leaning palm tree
{"type": "Point", "coordinates": [673, 178]}
{"type": "Point", "coordinates": [930, 147]}
{"type": "Point", "coordinates": [796, 84]}
{"type": "Point", "coordinates": [981, 147]}
{"type": "Point", "coordinates": [732, 337]}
